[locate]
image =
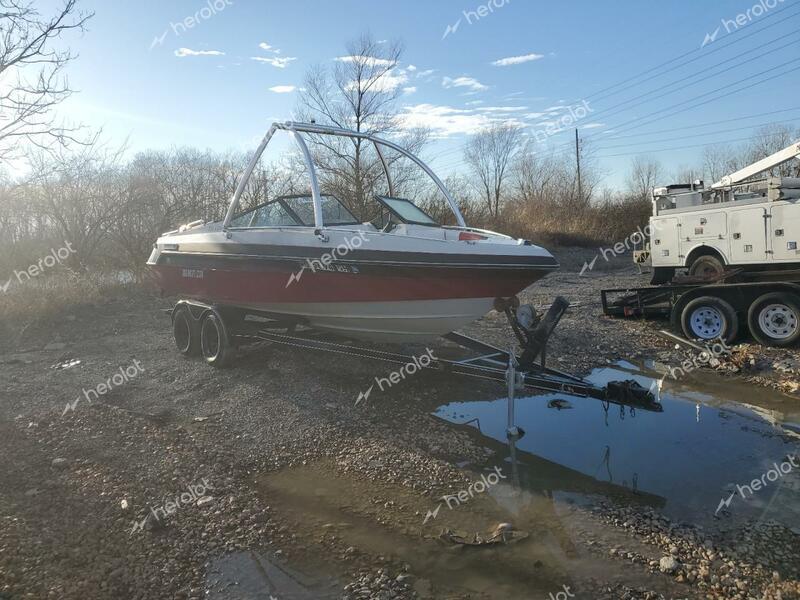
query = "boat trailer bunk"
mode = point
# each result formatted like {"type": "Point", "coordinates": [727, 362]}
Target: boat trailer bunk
{"type": "Point", "coordinates": [527, 369]}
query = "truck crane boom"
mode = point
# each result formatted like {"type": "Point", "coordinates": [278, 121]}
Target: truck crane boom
{"type": "Point", "coordinates": [769, 162]}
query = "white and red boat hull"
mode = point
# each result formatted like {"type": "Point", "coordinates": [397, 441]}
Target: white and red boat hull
{"type": "Point", "coordinates": [389, 294]}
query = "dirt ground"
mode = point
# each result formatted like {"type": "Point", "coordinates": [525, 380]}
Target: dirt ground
{"type": "Point", "coordinates": [131, 472]}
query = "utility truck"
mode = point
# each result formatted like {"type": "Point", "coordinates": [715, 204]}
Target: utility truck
{"type": "Point", "coordinates": [739, 222]}
{"type": "Point", "coordinates": [739, 241]}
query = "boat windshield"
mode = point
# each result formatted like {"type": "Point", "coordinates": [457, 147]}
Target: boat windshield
{"type": "Point", "coordinates": [406, 211]}
{"type": "Point", "coordinates": [295, 211]}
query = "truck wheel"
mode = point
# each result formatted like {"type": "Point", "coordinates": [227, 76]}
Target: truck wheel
{"type": "Point", "coordinates": [214, 340]}
{"type": "Point", "coordinates": [709, 318]}
{"type": "Point", "coordinates": [185, 331]}
{"type": "Point", "coordinates": [774, 319]}
{"type": "Point", "coordinates": [707, 267]}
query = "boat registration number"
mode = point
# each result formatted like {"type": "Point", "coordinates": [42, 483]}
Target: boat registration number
{"type": "Point", "coordinates": [336, 268]}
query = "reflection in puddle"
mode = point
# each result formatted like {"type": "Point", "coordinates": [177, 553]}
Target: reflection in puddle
{"type": "Point", "coordinates": [689, 457]}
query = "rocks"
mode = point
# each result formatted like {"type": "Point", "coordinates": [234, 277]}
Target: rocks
{"type": "Point", "coordinates": [381, 586]}
{"type": "Point", "coordinates": [668, 564]}
{"type": "Point", "coordinates": [730, 567]}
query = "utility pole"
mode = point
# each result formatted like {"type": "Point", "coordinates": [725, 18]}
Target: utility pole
{"type": "Point", "coordinates": [578, 160]}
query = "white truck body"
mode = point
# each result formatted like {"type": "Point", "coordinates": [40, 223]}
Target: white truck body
{"type": "Point", "coordinates": [752, 223]}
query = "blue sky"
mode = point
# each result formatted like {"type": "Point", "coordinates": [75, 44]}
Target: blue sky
{"type": "Point", "coordinates": [146, 78]}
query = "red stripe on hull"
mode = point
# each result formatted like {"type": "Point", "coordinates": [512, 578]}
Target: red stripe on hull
{"type": "Point", "coordinates": [270, 286]}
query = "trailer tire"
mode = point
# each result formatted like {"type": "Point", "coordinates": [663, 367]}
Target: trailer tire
{"type": "Point", "coordinates": [709, 318]}
{"type": "Point", "coordinates": [774, 319]}
{"type": "Point", "coordinates": [215, 341]}
{"type": "Point", "coordinates": [185, 331]}
{"type": "Point", "coordinates": [707, 267]}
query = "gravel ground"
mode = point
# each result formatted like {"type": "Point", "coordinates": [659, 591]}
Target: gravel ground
{"type": "Point", "coordinates": [237, 462]}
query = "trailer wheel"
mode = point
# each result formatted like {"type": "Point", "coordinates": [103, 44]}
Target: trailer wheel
{"type": "Point", "coordinates": [774, 319]}
{"type": "Point", "coordinates": [707, 267]}
{"type": "Point", "coordinates": [185, 331]}
{"type": "Point", "coordinates": [215, 341]}
{"type": "Point", "coordinates": [709, 318]}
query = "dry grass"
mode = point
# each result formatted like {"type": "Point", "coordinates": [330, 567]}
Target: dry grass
{"type": "Point", "coordinates": [47, 298]}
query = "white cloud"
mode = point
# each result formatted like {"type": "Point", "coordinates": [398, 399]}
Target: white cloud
{"type": "Point", "coordinates": [445, 121]}
{"type": "Point", "coordinates": [280, 63]}
{"type": "Point", "coordinates": [389, 82]}
{"type": "Point", "coordinates": [426, 72]}
{"type": "Point", "coordinates": [502, 109]}
{"type": "Point", "coordinates": [410, 89]}
{"type": "Point", "coordinates": [593, 125]}
{"type": "Point", "coordinates": [189, 52]}
{"type": "Point", "coordinates": [282, 89]}
{"type": "Point", "coordinates": [516, 60]}
{"type": "Point", "coordinates": [473, 102]}
{"type": "Point", "coordinates": [369, 61]}
{"type": "Point", "coordinates": [467, 82]}
{"type": "Point", "coordinates": [411, 68]}
{"type": "Point", "coordinates": [266, 46]}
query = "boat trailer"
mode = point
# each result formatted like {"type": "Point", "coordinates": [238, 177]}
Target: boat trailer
{"type": "Point", "coordinates": [527, 369]}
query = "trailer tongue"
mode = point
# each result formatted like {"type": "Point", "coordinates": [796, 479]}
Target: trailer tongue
{"type": "Point", "coordinates": [519, 371]}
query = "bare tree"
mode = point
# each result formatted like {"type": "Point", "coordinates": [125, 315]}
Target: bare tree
{"type": "Point", "coordinates": [718, 160]}
{"type": "Point", "coordinates": [643, 177]}
{"type": "Point", "coordinates": [489, 154]}
{"type": "Point", "coordinates": [359, 93]}
{"type": "Point", "coordinates": [686, 174]}
{"type": "Point", "coordinates": [31, 74]}
{"type": "Point", "coordinates": [768, 140]}
{"type": "Point", "coordinates": [79, 194]}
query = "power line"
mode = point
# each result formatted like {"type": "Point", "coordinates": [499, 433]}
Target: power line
{"type": "Point", "coordinates": [708, 133]}
{"type": "Point", "coordinates": [657, 112]}
{"type": "Point", "coordinates": [451, 164]}
{"type": "Point", "coordinates": [453, 151]}
{"type": "Point", "coordinates": [677, 148]}
{"type": "Point", "coordinates": [712, 51]}
{"type": "Point", "coordinates": [718, 48]}
{"type": "Point", "coordinates": [666, 90]}
{"type": "Point", "coordinates": [774, 112]}
{"type": "Point", "coordinates": [685, 54]}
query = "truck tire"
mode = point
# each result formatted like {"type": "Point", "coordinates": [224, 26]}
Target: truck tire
{"type": "Point", "coordinates": [215, 341]}
{"type": "Point", "coordinates": [774, 319]}
{"type": "Point", "coordinates": [709, 318]}
{"type": "Point", "coordinates": [707, 267]}
{"type": "Point", "coordinates": [185, 331]}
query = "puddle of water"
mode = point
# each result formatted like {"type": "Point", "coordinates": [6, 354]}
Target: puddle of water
{"type": "Point", "coordinates": [387, 521]}
{"type": "Point", "coordinates": [251, 576]}
{"type": "Point", "coordinates": [712, 436]}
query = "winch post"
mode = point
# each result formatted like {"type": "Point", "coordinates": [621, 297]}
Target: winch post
{"type": "Point", "coordinates": [537, 338]}
{"type": "Point", "coordinates": [514, 381]}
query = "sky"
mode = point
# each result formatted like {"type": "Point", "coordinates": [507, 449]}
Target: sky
{"type": "Point", "coordinates": [660, 79]}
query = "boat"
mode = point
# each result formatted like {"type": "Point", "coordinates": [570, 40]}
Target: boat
{"type": "Point", "coordinates": [306, 258]}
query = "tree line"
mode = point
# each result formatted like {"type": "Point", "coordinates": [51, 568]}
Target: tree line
{"type": "Point", "coordinates": [111, 208]}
